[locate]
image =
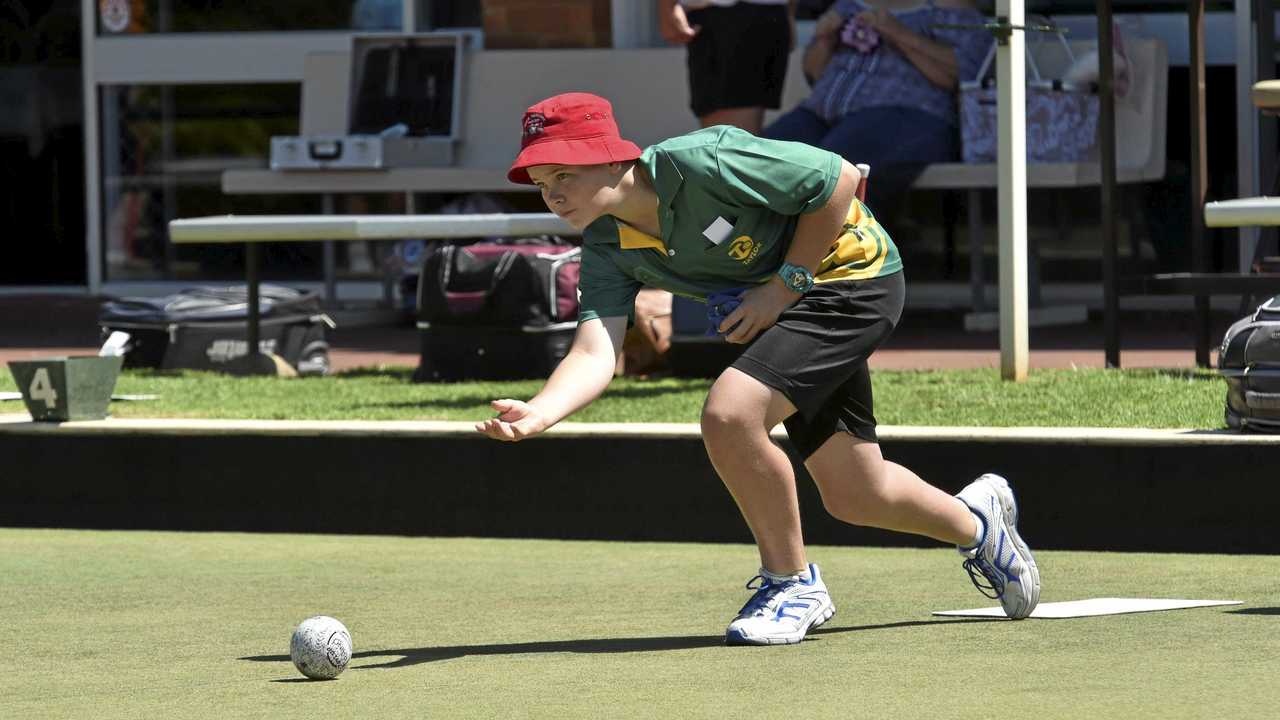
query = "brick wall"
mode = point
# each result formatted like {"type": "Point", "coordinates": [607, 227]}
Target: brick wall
{"type": "Point", "coordinates": [546, 24]}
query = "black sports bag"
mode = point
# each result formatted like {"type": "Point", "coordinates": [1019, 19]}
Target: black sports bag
{"type": "Point", "coordinates": [1250, 361]}
{"type": "Point", "coordinates": [500, 284]}
{"type": "Point", "coordinates": [204, 328]}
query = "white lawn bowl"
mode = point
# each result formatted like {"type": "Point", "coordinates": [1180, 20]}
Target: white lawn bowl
{"type": "Point", "coordinates": [321, 647]}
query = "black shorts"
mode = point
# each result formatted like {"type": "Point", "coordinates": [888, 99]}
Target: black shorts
{"type": "Point", "coordinates": [816, 355]}
{"type": "Point", "coordinates": [738, 58]}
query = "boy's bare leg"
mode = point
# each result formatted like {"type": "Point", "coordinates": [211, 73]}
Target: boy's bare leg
{"type": "Point", "coordinates": [736, 419]}
{"type": "Point", "coordinates": [860, 487]}
{"type": "Point", "coordinates": [857, 484]}
{"type": "Point", "coordinates": [750, 119]}
{"type": "Point", "coordinates": [791, 597]}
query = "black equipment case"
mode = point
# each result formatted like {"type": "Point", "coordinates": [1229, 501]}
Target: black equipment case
{"type": "Point", "coordinates": [497, 310]}
{"type": "Point", "coordinates": [1249, 359]}
{"type": "Point", "coordinates": [205, 328]}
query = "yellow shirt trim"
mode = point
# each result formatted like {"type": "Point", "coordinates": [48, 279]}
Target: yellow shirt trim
{"type": "Point", "coordinates": [630, 238]}
{"type": "Point", "coordinates": [859, 252]}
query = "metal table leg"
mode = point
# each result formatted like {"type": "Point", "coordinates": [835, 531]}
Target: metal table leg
{"type": "Point", "coordinates": [330, 261]}
{"type": "Point", "coordinates": [251, 275]}
{"type": "Point", "coordinates": [254, 362]}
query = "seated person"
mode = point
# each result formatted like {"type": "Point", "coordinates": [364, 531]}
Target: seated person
{"type": "Point", "coordinates": [885, 75]}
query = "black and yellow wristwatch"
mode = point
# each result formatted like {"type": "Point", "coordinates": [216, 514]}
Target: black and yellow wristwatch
{"type": "Point", "coordinates": [797, 278]}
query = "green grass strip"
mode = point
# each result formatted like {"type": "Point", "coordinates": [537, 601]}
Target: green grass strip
{"type": "Point", "coordinates": [197, 625]}
{"type": "Point", "coordinates": [1049, 398]}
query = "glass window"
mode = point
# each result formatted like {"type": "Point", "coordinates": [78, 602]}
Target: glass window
{"type": "Point", "coordinates": [445, 14]}
{"type": "Point", "coordinates": [41, 143]}
{"type": "Point", "coordinates": [164, 148]}
{"type": "Point", "coordinates": [161, 16]}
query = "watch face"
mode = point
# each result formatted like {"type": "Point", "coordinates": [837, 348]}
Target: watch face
{"type": "Point", "coordinates": [796, 277]}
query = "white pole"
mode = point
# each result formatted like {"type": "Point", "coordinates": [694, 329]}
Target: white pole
{"type": "Point", "coordinates": [92, 171]}
{"type": "Point", "coordinates": [1246, 124]}
{"type": "Point", "coordinates": [409, 16]}
{"type": "Point", "coordinates": [1011, 109]}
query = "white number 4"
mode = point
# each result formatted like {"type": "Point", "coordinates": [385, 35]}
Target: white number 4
{"type": "Point", "coordinates": [42, 389]}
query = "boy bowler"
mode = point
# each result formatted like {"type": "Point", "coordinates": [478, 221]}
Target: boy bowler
{"type": "Point", "coordinates": [720, 211]}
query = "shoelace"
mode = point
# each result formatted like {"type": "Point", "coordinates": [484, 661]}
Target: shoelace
{"type": "Point", "coordinates": [765, 595]}
{"type": "Point", "coordinates": [979, 568]}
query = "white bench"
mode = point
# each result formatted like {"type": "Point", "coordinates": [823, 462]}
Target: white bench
{"type": "Point", "coordinates": [1253, 211]}
{"type": "Point", "coordinates": [1257, 211]}
{"type": "Point", "coordinates": [1141, 126]}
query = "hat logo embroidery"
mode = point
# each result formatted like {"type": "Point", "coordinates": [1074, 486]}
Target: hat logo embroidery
{"type": "Point", "coordinates": [534, 123]}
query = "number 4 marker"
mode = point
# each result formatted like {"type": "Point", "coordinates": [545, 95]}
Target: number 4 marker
{"type": "Point", "coordinates": [42, 389]}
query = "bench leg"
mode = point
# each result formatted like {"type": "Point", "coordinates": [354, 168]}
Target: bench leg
{"type": "Point", "coordinates": [977, 280]}
{"type": "Point", "coordinates": [330, 258]}
{"type": "Point", "coordinates": [950, 215]}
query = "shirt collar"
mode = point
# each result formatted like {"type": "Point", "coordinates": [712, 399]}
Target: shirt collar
{"type": "Point", "coordinates": [667, 180]}
{"type": "Point", "coordinates": [666, 177]}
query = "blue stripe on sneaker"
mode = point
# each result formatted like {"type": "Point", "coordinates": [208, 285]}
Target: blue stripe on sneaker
{"type": "Point", "coordinates": [782, 610]}
{"type": "Point", "coordinates": [1013, 555]}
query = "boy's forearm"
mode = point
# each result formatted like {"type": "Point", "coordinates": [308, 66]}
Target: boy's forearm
{"type": "Point", "coordinates": [580, 378]}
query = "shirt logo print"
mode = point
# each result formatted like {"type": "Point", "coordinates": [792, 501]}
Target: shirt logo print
{"type": "Point", "coordinates": [744, 249]}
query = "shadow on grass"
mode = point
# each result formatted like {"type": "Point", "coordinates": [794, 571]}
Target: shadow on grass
{"type": "Point", "coordinates": [142, 372]}
{"type": "Point", "coordinates": [397, 372]}
{"type": "Point", "coordinates": [1199, 374]}
{"type": "Point", "coordinates": [405, 657]}
{"type": "Point", "coordinates": [479, 398]}
{"type": "Point", "coordinates": [477, 403]}
{"type": "Point", "coordinates": [1255, 611]}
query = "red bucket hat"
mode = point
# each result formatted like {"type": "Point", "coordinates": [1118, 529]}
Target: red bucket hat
{"type": "Point", "coordinates": [569, 129]}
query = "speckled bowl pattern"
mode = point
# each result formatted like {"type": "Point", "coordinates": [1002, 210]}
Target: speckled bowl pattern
{"type": "Point", "coordinates": [321, 647]}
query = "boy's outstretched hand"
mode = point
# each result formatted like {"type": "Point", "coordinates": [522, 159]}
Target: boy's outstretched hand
{"type": "Point", "coordinates": [516, 421]}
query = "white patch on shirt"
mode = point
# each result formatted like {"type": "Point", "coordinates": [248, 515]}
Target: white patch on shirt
{"type": "Point", "coordinates": [718, 231]}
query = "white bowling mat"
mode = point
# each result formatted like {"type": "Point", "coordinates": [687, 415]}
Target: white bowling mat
{"type": "Point", "coordinates": [1094, 606]}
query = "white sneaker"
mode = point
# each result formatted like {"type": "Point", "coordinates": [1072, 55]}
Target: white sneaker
{"type": "Point", "coordinates": [1001, 557]}
{"type": "Point", "coordinates": [781, 612]}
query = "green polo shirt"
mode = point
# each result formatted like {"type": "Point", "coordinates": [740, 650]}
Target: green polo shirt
{"type": "Point", "coordinates": [728, 204]}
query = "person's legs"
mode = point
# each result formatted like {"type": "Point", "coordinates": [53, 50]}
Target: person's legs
{"type": "Point", "coordinates": [800, 125]}
{"type": "Point", "coordinates": [747, 118]}
{"type": "Point", "coordinates": [790, 597]}
{"type": "Point", "coordinates": [731, 82]}
{"type": "Point", "coordinates": [860, 487]}
{"type": "Point", "coordinates": [736, 420]}
{"type": "Point", "coordinates": [857, 484]}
